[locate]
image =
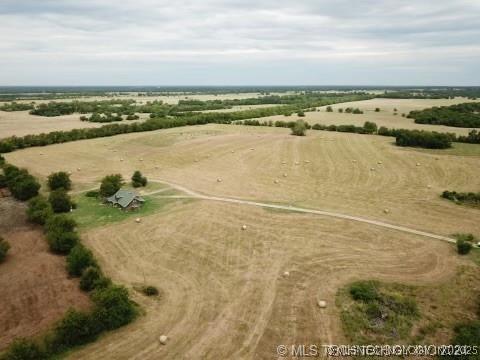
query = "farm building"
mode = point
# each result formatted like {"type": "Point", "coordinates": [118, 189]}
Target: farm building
{"type": "Point", "coordinates": [126, 199]}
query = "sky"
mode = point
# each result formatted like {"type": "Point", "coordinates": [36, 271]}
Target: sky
{"type": "Point", "coordinates": [240, 42]}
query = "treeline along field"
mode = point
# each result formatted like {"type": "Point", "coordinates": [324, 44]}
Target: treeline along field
{"type": "Point", "coordinates": [459, 115]}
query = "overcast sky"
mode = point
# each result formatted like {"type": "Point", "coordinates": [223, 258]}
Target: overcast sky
{"type": "Point", "coordinates": [239, 42]}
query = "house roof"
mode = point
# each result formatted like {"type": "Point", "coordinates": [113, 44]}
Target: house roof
{"type": "Point", "coordinates": [124, 198]}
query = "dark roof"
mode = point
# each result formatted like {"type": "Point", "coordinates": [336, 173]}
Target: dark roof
{"type": "Point", "coordinates": [124, 198]}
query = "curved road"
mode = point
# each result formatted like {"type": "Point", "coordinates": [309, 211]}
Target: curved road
{"type": "Point", "coordinates": [193, 194]}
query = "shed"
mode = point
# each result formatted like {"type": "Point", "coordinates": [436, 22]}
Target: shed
{"type": "Point", "coordinates": [126, 199]}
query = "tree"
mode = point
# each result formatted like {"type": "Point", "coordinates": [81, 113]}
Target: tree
{"type": "Point", "coordinates": [111, 184]}
{"type": "Point", "coordinates": [91, 277]}
{"type": "Point", "coordinates": [138, 179]}
{"type": "Point", "coordinates": [463, 247]}
{"type": "Point", "coordinates": [370, 127]}
{"type": "Point", "coordinates": [23, 349]}
{"type": "Point", "coordinates": [39, 210]}
{"type": "Point", "coordinates": [301, 114]}
{"type": "Point", "coordinates": [377, 109]}
{"type": "Point", "coordinates": [299, 129]}
{"type": "Point", "coordinates": [4, 247]}
{"type": "Point", "coordinates": [113, 307]}
{"type": "Point", "coordinates": [60, 201]}
{"type": "Point", "coordinates": [61, 235]}
{"type": "Point", "coordinates": [329, 109]}
{"type": "Point", "coordinates": [59, 180]}
{"type": "Point", "coordinates": [78, 259]}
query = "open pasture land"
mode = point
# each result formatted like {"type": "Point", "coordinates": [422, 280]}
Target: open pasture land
{"type": "Point", "coordinates": [358, 175]}
{"type": "Point", "coordinates": [35, 289]}
{"type": "Point", "coordinates": [223, 292]}
{"type": "Point", "coordinates": [385, 117]}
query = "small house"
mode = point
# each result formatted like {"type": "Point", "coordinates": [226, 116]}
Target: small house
{"type": "Point", "coordinates": [126, 200]}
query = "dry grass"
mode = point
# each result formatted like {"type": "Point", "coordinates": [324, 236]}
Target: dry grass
{"type": "Point", "coordinates": [223, 290]}
{"type": "Point", "coordinates": [385, 117]}
{"type": "Point", "coordinates": [197, 156]}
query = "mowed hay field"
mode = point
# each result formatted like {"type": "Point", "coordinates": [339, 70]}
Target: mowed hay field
{"type": "Point", "coordinates": [223, 292]}
{"type": "Point", "coordinates": [385, 117]}
{"type": "Point", "coordinates": [324, 170]}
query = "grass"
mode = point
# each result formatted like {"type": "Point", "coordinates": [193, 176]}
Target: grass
{"type": "Point", "coordinates": [457, 149]}
{"type": "Point", "coordinates": [91, 212]}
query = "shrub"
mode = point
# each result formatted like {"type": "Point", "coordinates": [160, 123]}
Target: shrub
{"type": "Point", "coordinates": [377, 109]}
{"type": "Point", "coordinates": [39, 210]}
{"type": "Point", "coordinates": [60, 201]}
{"type": "Point", "coordinates": [21, 184]}
{"type": "Point", "coordinates": [78, 259]}
{"type": "Point", "coordinates": [463, 247]}
{"type": "Point", "coordinates": [425, 139]}
{"type": "Point", "coordinates": [23, 349]}
{"type": "Point", "coordinates": [329, 109]}
{"type": "Point", "coordinates": [113, 307]}
{"type": "Point", "coordinates": [91, 278]}
{"type": "Point", "coordinates": [301, 114]}
{"type": "Point", "coordinates": [467, 334]}
{"type": "Point", "coordinates": [111, 184]}
{"type": "Point", "coordinates": [150, 290]}
{"type": "Point", "coordinates": [300, 128]}
{"type": "Point", "coordinates": [370, 127]}
{"type": "Point", "coordinates": [364, 290]}
{"type": "Point", "coordinates": [59, 180]}
{"type": "Point", "coordinates": [76, 328]}
{"type": "Point", "coordinates": [138, 179]}
{"type": "Point", "coordinates": [61, 235]}
{"type": "Point", "coordinates": [4, 247]}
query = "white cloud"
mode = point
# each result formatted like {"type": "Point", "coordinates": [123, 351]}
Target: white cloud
{"type": "Point", "coordinates": [218, 42]}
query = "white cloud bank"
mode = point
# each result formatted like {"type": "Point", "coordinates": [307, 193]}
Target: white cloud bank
{"type": "Point", "coordinates": [156, 42]}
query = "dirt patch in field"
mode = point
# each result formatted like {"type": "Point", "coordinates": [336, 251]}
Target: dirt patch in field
{"type": "Point", "coordinates": [35, 290]}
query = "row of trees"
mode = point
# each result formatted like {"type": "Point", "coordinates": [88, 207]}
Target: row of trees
{"type": "Point", "coordinates": [469, 198]}
{"type": "Point", "coordinates": [459, 115]}
{"type": "Point", "coordinates": [14, 106]}
{"type": "Point", "coordinates": [112, 307]}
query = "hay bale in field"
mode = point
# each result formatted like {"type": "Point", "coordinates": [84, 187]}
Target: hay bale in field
{"type": "Point", "coordinates": [163, 339]}
{"type": "Point", "coordinates": [307, 161]}
{"type": "Point", "coordinates": [372, 169]}
{"type": "Point", "coordinates": [379, 162]}
{"type": "Point", "coordinates": [140, 159]}
{"type": "Point", "coordinates": [276, 181]}
{"type": "Point", "coordinates": [322, 304]}
{"type": "Point", "coordinates": [78, 169]}
{"type": "Point", "coordinates": [429, 186]}
{"type": "Point", "coordinates": [244, 227]}
{"type": "Point", "coordinates": [219, 180]}
{"type": "Point", "coordinates": [418, 164]}
{"type": "Point", "coordinates": [121, 159]}
{"type": "Point", "coordinates": [284, 162]}
{"type": "Point", "coordinates": [297, 163]}
{"type": "Point", "coordinates": [354, 161]}
{"type": "Point", "coordinates": [233, 151]}
{"type": "Point", "coordinates": [284, 174]}
{"type": "Point", "coordinates": [252, 148]}
{"type": "Point", "coordinates": [286, 274]}
{"type": "Point", "coordinates": [386, 211]}
{"type": "Point", "coordinates": [138, 220]}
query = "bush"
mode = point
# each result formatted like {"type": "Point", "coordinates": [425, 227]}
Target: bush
{"type": "Point", "coordinates": [21, 184]}
{"type": "Point", "coordinates": [463, 247]}
{"type": "Point", "coordinates": [92, 193]}
{"type": "Point", "coordinates": [301, 114]}
{"type": "Point", "coordinates": [138, 179]}
{"type": "Point", "coordinates": [111, 184]}
{"type": "Point", "coordinates": [61, 235]}
{"type": "Point", "coordinates": [113, 307]}
{"type": "Point", "coordinates": [364, 290]}
{"type": "Point", "coordinates": [39, 210]}
{"type": "Point", "coordinates": [150, 290]}
{"type": "Point", "coordinates": [60, 201]}
{"type": "Point", "coordinates": [467, 334]}
{"type": "Point", "coordinates": [300, 128]}
{"type": "Point", "coordinates": [424, 139]}
{"type": "Point", "coordinates": [370, 127]}
{"type": "Point", "coordinates": [59, 180]}
{"type": "Point", "coordinates": [377, 109]}
{"type": "Point", "coordinates": [76, 328]}
{"type": "Point", "coordinates": [23, 349]}
{"type": "Point", "coordinates": [4, 247]}
{"type": "Point", "coordinates": [79, 259]}
{"type": "Point", "coordinates": [91, 278]}
{"type": "Point", "coordinates": [329, 109]}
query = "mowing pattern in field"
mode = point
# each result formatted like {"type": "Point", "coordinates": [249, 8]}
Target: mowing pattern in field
{"type": "Point", "coordinates": [224, 294]}
{"type": "Point", "coordinates": [354, 174]}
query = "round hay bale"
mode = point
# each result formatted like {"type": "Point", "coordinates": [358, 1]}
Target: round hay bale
{"type": "Point", "coordinates": [322, 304]}
{"type": "Point", "coordinates": [297, 163]}
{"type": "Point", "coordinates": [78, 169]}
{"type": "Point", "coordinates": [285, 175]}
{"type": "Point", "coordinates": [42, 154]}
{"type": "Point", "coordinates": [219, 180]}
{"type": "Point", "coordinates": [244, 227]}
{"type": "Point", "coordinates": [429, 186]}
{"type": "Point", "coordinates": [418, 164]}
{"type": "Point", "coordinates": [386, 211]}
{"type": "Point", "coordinates": [275, 181]}
{"type": "Point", "coordinates": [138, 220]}
{"type": "Point", "coordinates": [233, 151]}
{"type": "Point", "coordinates": [70, 173]}
{"type": "Point", "coordinates": [252, 148]}
{"type": "Point", "coordinates": [121, 159]}
{"type": "Point", "coordinates": [140, 159]}
{"type": "Point", "coordinates": [379, 162]}
{"type": "Point", "coordinates": [163, 339]}
{"type": "Point", "coordinates": [372, 169]}
{"type": "Point", "coordinates": [354, 161]}
{"type": "Point", "coordinates": [284, 162]}
{"type": "Point", "coordinates": [307, 161]}
{"type": "Point", "coordinates": [286, 274]}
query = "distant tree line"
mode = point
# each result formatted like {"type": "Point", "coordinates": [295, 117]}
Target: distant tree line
{"type": "Point", "coordinates": [13, 106]}
{"type": "Point", "coordinates": [459, 115]}
{"type": "Point", "coordinates": [112, 307]}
